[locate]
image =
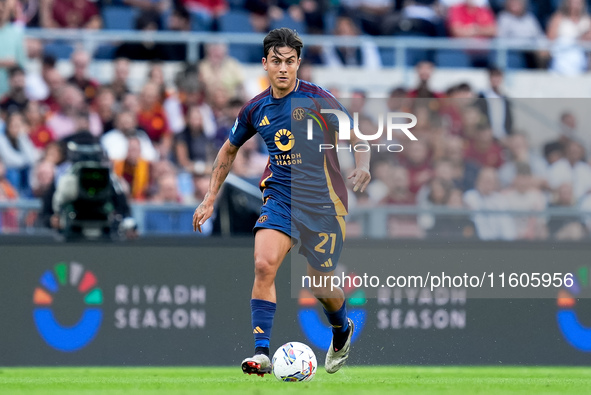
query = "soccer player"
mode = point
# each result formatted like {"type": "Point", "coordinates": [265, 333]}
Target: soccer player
{"type": "Point", "coordinates": [304, 194]}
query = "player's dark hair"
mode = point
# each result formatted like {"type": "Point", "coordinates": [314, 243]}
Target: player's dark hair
{"type": "Point", "coordinates": [282, 37]}
{"type": "Point", "coordinates": [15, 70]}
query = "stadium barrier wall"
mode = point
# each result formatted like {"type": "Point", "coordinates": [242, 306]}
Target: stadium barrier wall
{"type": "Point", "coordinates": [186, 302]}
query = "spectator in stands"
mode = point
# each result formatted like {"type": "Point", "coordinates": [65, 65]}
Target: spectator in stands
{"type": "Point", "coordinates": [89, 87]}
{"type": "Point", "coordinates": [553, 152]}
{"type": "Point", "coordinates": [134, 169]}
{"type": "Point", "coordinates": [520, 153]}
{"type": "Point", "coordinates": [524, 195]}
{"type": "Point", "coordinates": [147, 21]}
{"type": "Point", "coordinates": [8, 218]}
{"type": "Point", "coordinates": [424, 70]}
{"type": "Point", "coordinates": [37, 83]}
{"type": "Point", "coordinates": [116, 141]}
{"type": "Point", "coordinates": [179, 21]}
{"type": "Point", "coordinates": [156, 6]}
{"type": "Point", "coordinates": [399, 194]}
{"type": "Point", "coordinates": [193, 149]}
{"type": "Point", "coordinates": [167, 191]}
{"type": "Point", "coordinates": [39, 133]}
{"type": "Point", "coordinates": [120, 75]}
{"type": "Point", "coordinates": [12, 50]}
{"type": "Point", "coordinates": [206, 10]}
{"type": "Point", "coordinates": [42, 178]}
{"type": "Point", "coordinates": [250, 164]}
{"type": "Point", "coordinates": [71, 14]}
{"type": "Point", "coordinates": [562, 227]}
{"type": "Point", "coordinates": [570, 23]}
{"type": "Point", "coordinates": [200, 186]}
{"type": "Point", "coordinates": [571, 169]}
{"type": "Point", "coordinates": [496, 106]}
{"type": "Point", "coordinates": [516, 22]}
{"type": "Point", "coordinates": [156, 76]}
{"type": "Point", "coordinates": [464, 172]}
{"type": "Point", "coordinates": [105, 108]}
{"type": "Point", "coordinates": [371, 14]}
{"type": "Point", "coordinates": [226, 122]}
{"type": "Point", "coordinates": [568, 127]}
{"type": "Point", "coordinates": [152, 119]}
{"type": "Point", "coordinates": [366, 55]}
{"type": "Point", "coordinates": [17, 152]}
{"type": "Point", "coordinates": [16, 98]}
{"type": "Point", "coordinates": [55, 85]}
{"type": "Point", "coordinates": [483, 149]}
{"type": "Point", "coordinates": [443, 194]}
{"type": "Point", "coordinates": [486, 197]}
{"type": "Point", "coordinates": [418, 164]}
{"type": "Point", "coordinates": [468, 20]}
{"type": "Point", "coordinates": [71, 104]}
{"type": "Point", "coordinates": [219, 69]}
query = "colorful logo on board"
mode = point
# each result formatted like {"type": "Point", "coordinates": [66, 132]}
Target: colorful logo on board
{"type": "Point", "coordinates": [63, 276]}
{"type": "Point", "coordinates": [313, 322]}
{"type": "Point", "coordinates": [575, 333]}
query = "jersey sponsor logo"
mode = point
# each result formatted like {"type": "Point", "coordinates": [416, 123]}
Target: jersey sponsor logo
{"type": "Point", "coordinates": [298, 114]}
{"type": "Point", "coordinates": [284, 140]}
{"type": "Point", "coordinates": [265, 121]}
{"type": "Point", "coordinates": [263, 218]}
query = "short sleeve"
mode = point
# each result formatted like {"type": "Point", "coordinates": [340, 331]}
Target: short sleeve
{"type": "Point", "coordinates": [242, 129]}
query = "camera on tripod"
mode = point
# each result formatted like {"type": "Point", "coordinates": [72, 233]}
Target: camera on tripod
{"type": "Point", "coordinates": [84, 195]}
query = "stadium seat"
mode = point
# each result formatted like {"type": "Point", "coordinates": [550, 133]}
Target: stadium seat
{"type": "Point", "coordinates": [451, 58]}
{"type": "Point", "coordinates": [104, 52]}
{"type": "Point", "coordinates": [119, 18]}
{"type": "Point", "coordinates": [287, 21]}
{"type": "Point", "coordinates": [235, 22]}
{"type": "Point", "coordinates": [59, 50]}
{"type": "Point", "coordinates": [330, 21]}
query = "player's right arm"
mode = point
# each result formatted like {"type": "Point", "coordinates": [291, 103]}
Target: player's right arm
{"type": "Point", "coordinates": [221, 168]}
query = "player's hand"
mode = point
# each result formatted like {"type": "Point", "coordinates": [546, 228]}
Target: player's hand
{"type": "Point", "coordinates": [360, 178]}
{"type": "Point", "coordinates": [202, 214]}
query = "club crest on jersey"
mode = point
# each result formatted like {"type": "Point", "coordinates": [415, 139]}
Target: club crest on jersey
{"type": "Point", "coordinates": [284, 140]}
{"type": "Point", "coordinates": [298, 113]}
{"type": "Point", "coordinates": [262, 219]}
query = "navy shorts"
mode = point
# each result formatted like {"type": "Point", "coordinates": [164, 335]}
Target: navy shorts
{"type": "Point", "coordinates": [321, 236]}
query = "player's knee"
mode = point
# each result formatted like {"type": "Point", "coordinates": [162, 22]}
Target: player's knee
{"type": "Point", "coordinates": [264, 267]}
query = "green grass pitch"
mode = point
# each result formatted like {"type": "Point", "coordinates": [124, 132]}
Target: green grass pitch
{"type": "Point", "coordinates": [350, 380]}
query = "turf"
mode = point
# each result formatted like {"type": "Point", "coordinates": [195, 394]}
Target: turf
{"type": "Point", "coordinates": [350, 380]}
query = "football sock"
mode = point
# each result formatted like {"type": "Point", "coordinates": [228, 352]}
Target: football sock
{"type": "Point", "coordinates": [338, 319]}
{"type": "Point", "coordinates": [340, 326]}
{"type": "Point", "coordinates": [262, 312]}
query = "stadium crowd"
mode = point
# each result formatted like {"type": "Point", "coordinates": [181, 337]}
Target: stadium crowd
{"type": "Point", "coordinates": [564, 22]}
{"type": "Point", "coordinates": [162, 140]}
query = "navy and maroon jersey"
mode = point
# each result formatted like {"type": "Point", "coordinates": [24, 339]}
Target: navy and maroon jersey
{"type": "Point", "coordinates": [298, 173]}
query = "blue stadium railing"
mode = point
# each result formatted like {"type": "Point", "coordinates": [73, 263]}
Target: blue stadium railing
{"type": "Point", "coordinates": [398, 51]}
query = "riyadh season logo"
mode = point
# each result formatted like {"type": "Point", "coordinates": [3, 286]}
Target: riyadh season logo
{"type": "Point", "coordinates": [312, 320]}
{"type": "Point", "coordinates": [575, 333]}
{"type": "Point", "coordinates": [57, 287]}
{"type": "Point", "coordinates": [392, 121]}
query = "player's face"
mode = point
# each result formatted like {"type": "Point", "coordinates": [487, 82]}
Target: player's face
{"type": "Point", "coordinates": [282, 67]}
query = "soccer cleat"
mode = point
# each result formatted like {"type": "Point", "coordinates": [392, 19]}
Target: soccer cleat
{"type": "Point", "coordinates": [335, 359]}
{"type": "Point", "coordinates": [259, 364]}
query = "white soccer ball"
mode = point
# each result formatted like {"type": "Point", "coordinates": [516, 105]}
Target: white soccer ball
{"type": "Point", "coordinates": [294, 361]}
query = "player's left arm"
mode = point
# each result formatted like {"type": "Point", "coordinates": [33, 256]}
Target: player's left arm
{"type": "Point", "coordinates": [360, 176]}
